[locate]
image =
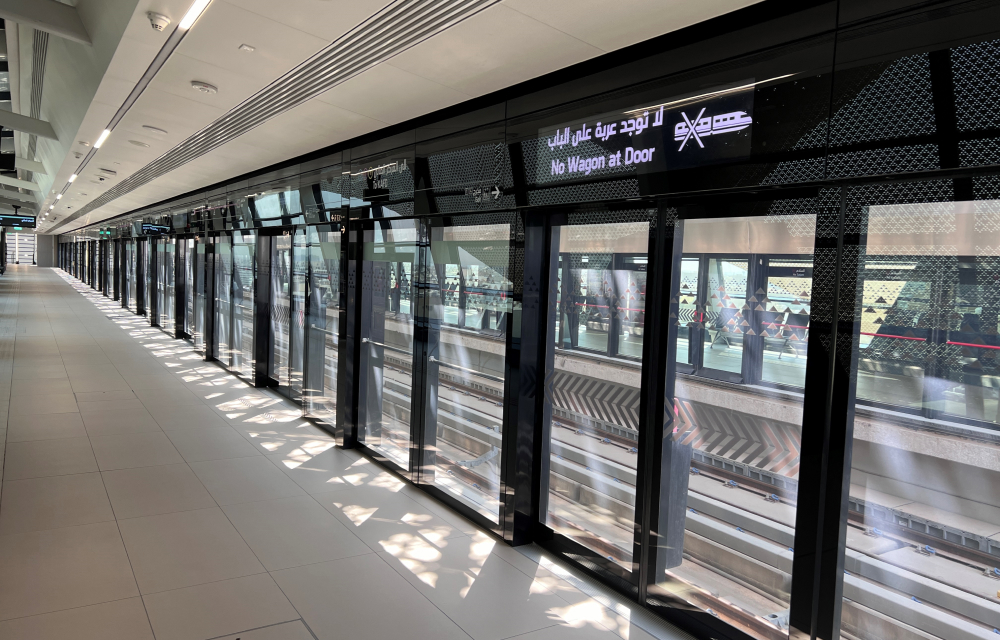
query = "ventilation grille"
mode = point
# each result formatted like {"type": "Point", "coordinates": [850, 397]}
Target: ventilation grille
{"type": "Point", "coordinates": [396, 28]}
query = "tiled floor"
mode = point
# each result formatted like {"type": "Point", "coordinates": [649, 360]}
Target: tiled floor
{"type": "Point", "coordinates": [148, 494]}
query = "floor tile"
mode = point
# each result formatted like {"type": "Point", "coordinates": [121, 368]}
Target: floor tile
{"type": "Point", "coordinates": [348, 598]}
{"type": "Point", "coordinates": [244, 480]}
{"type": "Point", "coordinates": [289, 532]}
{"type": "Point", "coordinates": [48, 458]}
{"type": "Point", "coordinates": [45, 427]}
{"type": "Point", "coordinates": [52, 502]}
{"type": "Point", "coordinates": [85, 383]}
{"type": "Point", "coordinates": [107, 404]}
{"type": "Point", "coordinates": [33, 386]}
{"type": "Point", "coordinates": [219, 608]}
{"type": "Point", "coordinates": [219, 443]}
{"type": "Point", "coordinates": [185, 549]}
{"type": "Point", "coordinates": [153, 382]}
{"type": "Point", "coordinates": [185, 417]}
{"type": "Point", "coordinates": [57, 569]}
{"type": "Point", "coordinates": [125, 451]}
{"type": "Point", "coordinates": [286, 631]}
{"type": "Point", "coordinates": [39, 373]}
{"type": "Point", "coordinates": [38, 405]}
{"type": "Point", "coordinates": [118, 620]}
{"type": "Point", "coordinates": [378, 510]}
{"type": "Point", "coordinates": [105, 423]}
{"type": "Point", "coordinates": [98, 396]}
{"type": "Point", "coordinates": [150, 491]}
{"type": "Point", "coordinates": [474, 587]}
{"type": "Point", "coordinates": [329, 470]}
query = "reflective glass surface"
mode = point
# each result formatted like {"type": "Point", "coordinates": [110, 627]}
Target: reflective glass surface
{"type": "Point", "coordinates": [130, 275]}
{"type": "Point", "coordinates": [300, 274]}
{"type": "Point", "coordinates": [323, 323]}
{"type": "Point", "coordinates": [594, 429]}
{"type": "Point", "coordinates": [389, 258]}
{"type": "Point", "coordinates": [223, 298]}
{"type": "Point", "coordinates": [281, 308]}
{"type": "Point", "coordinates": [923, 512]}
{"type": "Point", "coordinates": [730, 459]}
{"type": "Point", "coordinates": [199, 267]}
{"type": "Point", "coordinates": [244, 272]}
{"type": "Point", "coordinates": [470, 293]}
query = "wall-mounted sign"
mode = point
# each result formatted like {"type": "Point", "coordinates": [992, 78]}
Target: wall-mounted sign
{"type": "Point", "coordinates": [682, 133]}
{"type": "Point", "coordinates": [17, 221]}
{"type": "Point", "coordinates": [154, 229]}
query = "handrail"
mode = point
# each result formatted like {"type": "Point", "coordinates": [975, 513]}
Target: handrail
{"type": "Point", "coordinates": [385, 346]}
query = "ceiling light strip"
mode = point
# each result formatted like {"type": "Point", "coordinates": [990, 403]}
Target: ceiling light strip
{"type": "Point", "coordinates": [397, 27]}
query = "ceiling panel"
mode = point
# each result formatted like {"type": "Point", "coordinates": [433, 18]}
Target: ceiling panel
{"type": "Point", "coordinates": [495, 48]}
{"type": "Point", "coordinates": [613, 25]}
{"type": "Point", "coordinates": [222, 29]}
{"type": "Point", "coordinates": [391, 94]}
{"type": "Point", "coordinates": [324, 19]}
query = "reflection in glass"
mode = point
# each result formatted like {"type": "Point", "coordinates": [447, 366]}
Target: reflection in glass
{"type": "Point", "coordinates": [468, 279]}
{"type": "Point", "coordinates": [690, 312]}
{"type": "Point", "coordinates": [130, 276]}
{"type": "Point", "coordinates": [300, 272]}
{"type": "Point", "coordinates": [198, 318]}
{"type": "Point", "coordinates": [165, 286]}
{"type": "Point", "coordinates": [593, 435]}
{"type": "Point", "coordinates": [923, 510]}
{"type": "Point", "coordinates": [189, 293]}
{"type": "Point", "coordinates": [730, 462]}
{"type": "Point", "coordinates": [726, 321]}
{"type": "Point", "coordinates": [785, 323]}
{"type": "Point", "coordinates": [281, 308]}
{"type": "Point", "coordinates": [323, 323]}
{"type": "Point", "coordinates": [223, 307]}
{"type": "Point", "coordinates": [244, 272]}
{"type": "Point", "coordinates": [389, 261]}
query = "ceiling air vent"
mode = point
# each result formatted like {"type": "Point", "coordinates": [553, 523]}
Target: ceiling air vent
{"type": "Point", "coordinates": [394, 29]}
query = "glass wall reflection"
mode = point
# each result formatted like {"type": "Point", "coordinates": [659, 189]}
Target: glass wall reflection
{"type": "Point", "coordinates": [281, 308]}
{"type": "Point", "coordinates": [323, 323]}
{"type": "Point", "coordinates": [389, 260]}
{"type": "Point", "coordinates": [244, 272]}
{"type": "Point", "coordinates": [923, 534]}
{"type": "Point", "coordinates": [470, 293]}
{"type": "Point", "coordinates": [223, 300]}
{"type": "Point", "coordinates": [730, 463]}
{"type": "Point", "coordinates": [595, 382]}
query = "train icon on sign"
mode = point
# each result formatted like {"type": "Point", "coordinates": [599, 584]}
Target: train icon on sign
{"type": "Point", "coordinates": [703, 125]}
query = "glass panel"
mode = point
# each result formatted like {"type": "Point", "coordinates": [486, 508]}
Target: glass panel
{"type": "Point", "coordinates": [593, 435]}
{"type": "Point", "coordinates": [923, 534]}
{"type": "Point", "coordinates": [726, 322]}
{"type": "Point", "coordinates": [468, 277]}
{"type": "Point", "coordinates": [388, 264]}
{"type": "Point", "coordinates": [244, 265]}
{"type": "Point", "coordinates": [189, 292]}
{"type": "Point", "coordinates": [130, 264]}
{"type": "Point", "coordinates": [168, 299]}
{"type": "Point", "coordinates": [785, 323]}
{"type": "Point", "coordinates": [281, 306]}
{"type": "Point", "coordinates": [323, 323]}
{"type": "Point", "coordinates": [300, 273]}
{"type": "Point", "coordinates": [148, 277]}
{"type": "Point", "coordinates": [691, 309]}
{"type": "Point", "coordinates": [223, 308]}
{"type": "Point", "coordinates": [160, 246]}
{"type": "Point", "coordinates": [198, 320]}
{"type": "Point", "coordinates": [730, 460]}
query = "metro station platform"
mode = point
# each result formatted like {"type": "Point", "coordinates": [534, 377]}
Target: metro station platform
{"type": "Point", "coordinates": [147, 493]}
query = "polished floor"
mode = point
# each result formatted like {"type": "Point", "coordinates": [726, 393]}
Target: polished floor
{"type": "Point", "coordinates": [148, 494]}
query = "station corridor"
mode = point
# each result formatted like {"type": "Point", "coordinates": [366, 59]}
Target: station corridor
{"type": "Point", "coordinates": [149, 494]}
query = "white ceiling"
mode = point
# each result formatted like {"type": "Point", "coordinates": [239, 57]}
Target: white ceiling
{"type": "Point", "coordinates": [511, 41]}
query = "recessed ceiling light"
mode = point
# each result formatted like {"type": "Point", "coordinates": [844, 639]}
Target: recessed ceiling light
{"type": "Point", "coordinates": [104, 136]}
{"type": "Point", "coordinates": [153, 129]}
{"type": "Point", "coordinates": [72, 177]}
{"type": "Point", "coordinates": [247, 48]}
{"type": "Point", "coordinates": [138, 144]}
{"type": "Point", "coordinates": [204, 87]}
{"type": "Point", "coordinates": [193, 13]}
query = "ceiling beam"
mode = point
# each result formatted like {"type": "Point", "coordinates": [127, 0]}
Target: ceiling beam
{"type": "Point", "coordinates": [53, 17]}
{"type": "Point", "coordinates": [17, 195]}
{"type": "Point", "coordinates": [25, 124]}
{"type": "Point", "coordinates": [29, 165]}
{"type": "Point", "coordinates": [24, 184]}
{"type": "Point", "coordinates": [27, 208]}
